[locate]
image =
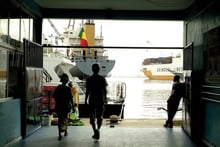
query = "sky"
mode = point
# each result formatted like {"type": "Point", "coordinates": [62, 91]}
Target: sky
{"type": "Point", "coordinates": [130, 33]}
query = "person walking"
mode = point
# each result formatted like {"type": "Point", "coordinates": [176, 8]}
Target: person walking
{"type": "Point", "coordinates": [75, 92]}
{"type": "Point", "coordinates": [74, 114]}
{"type": "Point", "coordinates": [96, 95]}
{"type": "Point", "coordinates": [64, 103]}
{"type": "Point", "coordinates": [174, 100]}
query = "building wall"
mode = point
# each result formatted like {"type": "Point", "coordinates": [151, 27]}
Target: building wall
{"type": "Point", "coordinates": [10, 124]}
{"type": "Point", "coordinates": [205, 120]}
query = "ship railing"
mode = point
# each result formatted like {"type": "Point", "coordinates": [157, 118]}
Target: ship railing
{"type": "Point", "coordinates": [46, 76]}
{"type": "Point", "coordinates": [116, 92]}
{"type": "Point", "coordinates": [89, 57]}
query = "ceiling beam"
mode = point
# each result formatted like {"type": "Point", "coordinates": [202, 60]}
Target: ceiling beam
{"type": "Point", "coordinates": [114, 14]}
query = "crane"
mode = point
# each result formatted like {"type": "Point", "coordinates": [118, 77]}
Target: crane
{"type": "Point", "coordinates": [69, 24]}
{"type": "Point", "coordinates": [55, 29]}
{"type": "Point", "coordinates": [59, 36]}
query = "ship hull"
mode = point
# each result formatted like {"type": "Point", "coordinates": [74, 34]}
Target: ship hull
{"type": "Point", "coordinates": [83, 67]}
{"type": "Point", "coordinates": [161, 71]}
{"type": "Point", "coordinates": [77, 62]}
{"type": "Point", "coordinates": [149, 74]}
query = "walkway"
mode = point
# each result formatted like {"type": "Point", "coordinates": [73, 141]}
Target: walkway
{"type": "Point", "coordinates": [118, 136]}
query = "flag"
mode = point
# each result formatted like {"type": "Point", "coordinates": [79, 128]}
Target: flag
{"type": "Point", "coordinates": [83, 39]}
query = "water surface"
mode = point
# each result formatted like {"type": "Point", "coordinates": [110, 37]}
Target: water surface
{"type": "Point", "coordinates": [144, 96]}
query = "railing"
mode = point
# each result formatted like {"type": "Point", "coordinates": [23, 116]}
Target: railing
{"type": "Point", "coordinates": [46, 76]}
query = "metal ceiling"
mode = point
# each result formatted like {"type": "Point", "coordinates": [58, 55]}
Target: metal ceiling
{"type": "Point", "coordinates": [105, 9]}
{"type": "Point", "coordinates": [137, 5]}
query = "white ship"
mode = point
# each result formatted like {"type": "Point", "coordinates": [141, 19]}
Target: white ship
{"type": "Point", "coordinates": [81, 59]}
{"type": "Point", "coordinates": [163, 68]}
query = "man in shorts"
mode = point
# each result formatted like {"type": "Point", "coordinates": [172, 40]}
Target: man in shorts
{"type": "Point", "coordinates": [96, 95]}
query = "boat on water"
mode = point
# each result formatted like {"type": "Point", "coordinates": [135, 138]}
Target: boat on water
{"type": "Point", "coordinates": [82, 58]}
{"type": "Point", "coordinates": [76, 61]}
{"type": "Point", "coordinates": [163, 68]}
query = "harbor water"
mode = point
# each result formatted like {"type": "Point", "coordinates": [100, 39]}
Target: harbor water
{"type": "Point", "coordinates": [144, 96]}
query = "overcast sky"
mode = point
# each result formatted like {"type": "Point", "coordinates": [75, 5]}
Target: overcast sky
{"type": "Point", "coordinates": [130, 33]}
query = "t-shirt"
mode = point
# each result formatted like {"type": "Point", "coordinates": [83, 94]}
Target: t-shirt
{"type": "Point", "coordinates": [63, 98]}
{"type": "Point", "coordinates": [96, 87]}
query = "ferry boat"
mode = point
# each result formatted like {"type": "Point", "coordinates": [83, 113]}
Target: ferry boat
{"type": "Point", "coordinates": [163, 68]}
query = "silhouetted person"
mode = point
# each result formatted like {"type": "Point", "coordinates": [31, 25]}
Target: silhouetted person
{"type": "Point", "coordinates": [173, 101]}
{"type": "Point", "coordinates": [96, 94]}
{"type": "Point", "coordinates": [64, 103]}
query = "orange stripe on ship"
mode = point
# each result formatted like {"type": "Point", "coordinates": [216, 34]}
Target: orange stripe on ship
{"type": "Point", "coordinates": [149, 74]}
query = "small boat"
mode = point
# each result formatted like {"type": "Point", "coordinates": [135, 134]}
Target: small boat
{"type": "Point", "coordinates": [163, 68]}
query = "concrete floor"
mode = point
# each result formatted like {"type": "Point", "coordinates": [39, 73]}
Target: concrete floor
{"type": "Point", "coordinates": [121, 135]}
